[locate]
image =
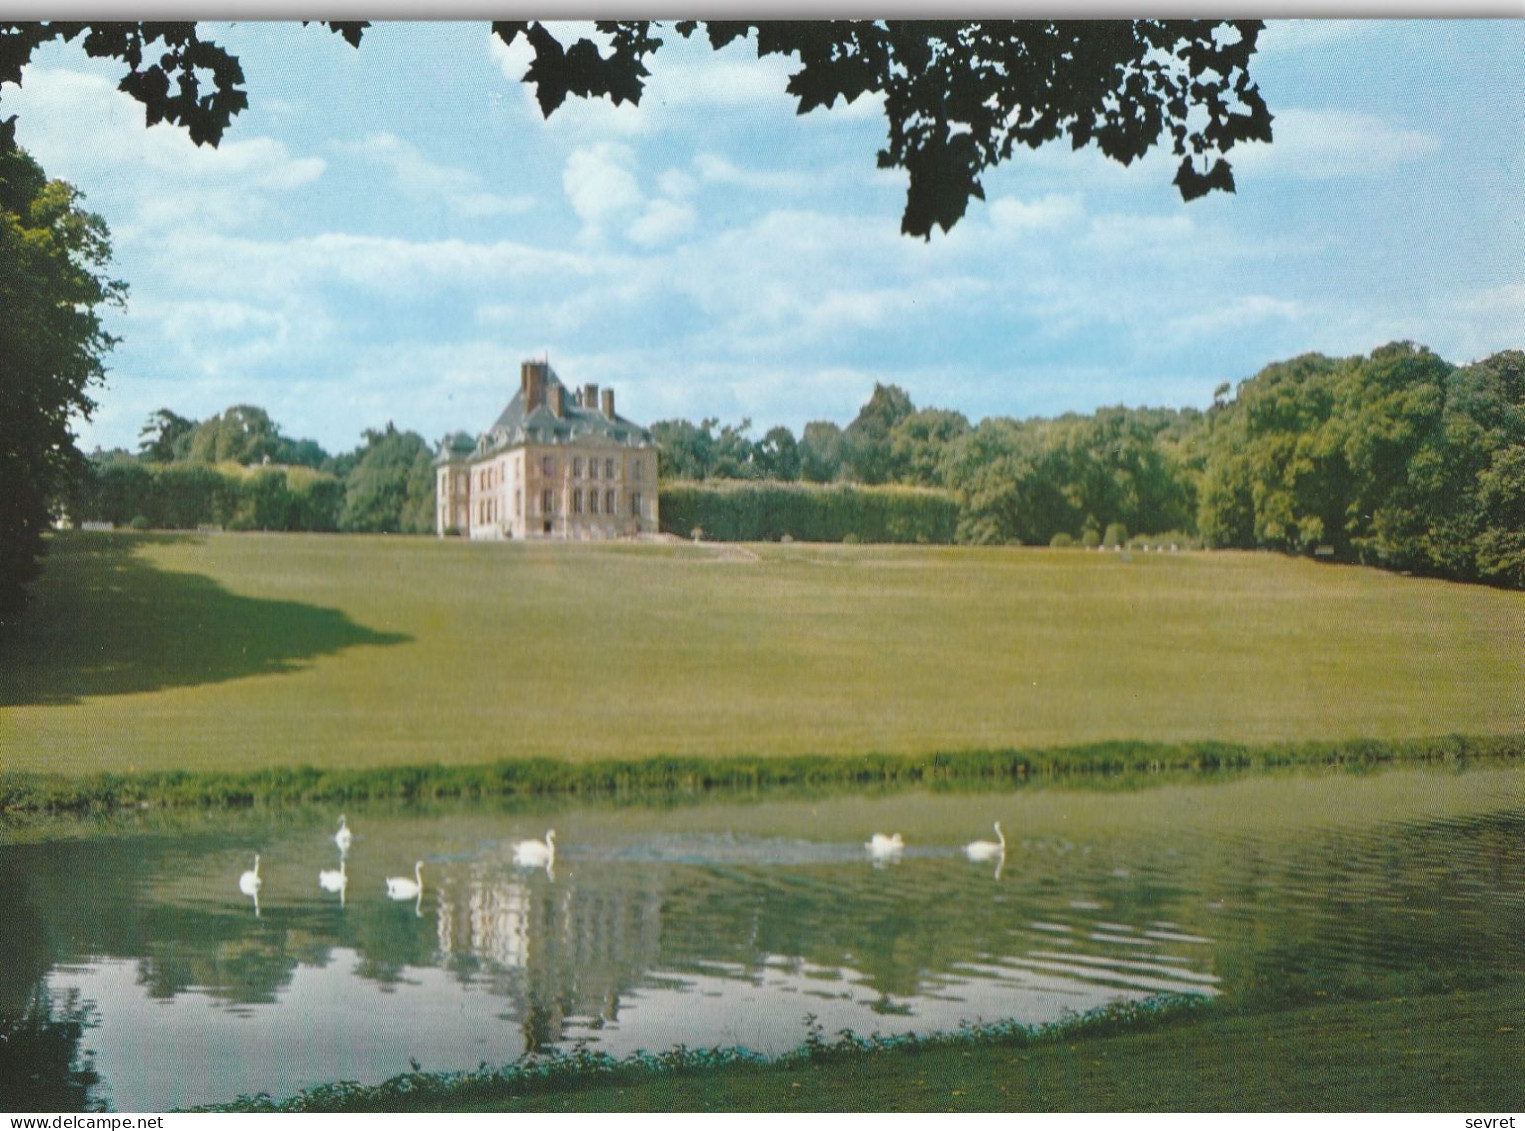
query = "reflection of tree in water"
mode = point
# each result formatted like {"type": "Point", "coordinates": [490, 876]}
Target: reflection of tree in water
{"type": "Point", "coordinates": [392, 936]}
{"type": "Point", "coordinates": [910, 920]}
{"type": "Point", "coordinates": [42, 1066]}
{"type": "Point", "coordinates": [1395, 908]}
{"type": "Point", "coordinates": [225, 955]}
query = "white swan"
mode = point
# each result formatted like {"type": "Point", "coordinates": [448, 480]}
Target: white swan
{"type": "Point", "coordinates": [343, 837]}
{"type": "Point", "coordinates": [249, 882]}
{"type": "Point", "coordinates": [535, 853]}
{"type": "Point", "coordinates": [882, 847]}
{"type": "Point", "coordinates": [335, 880]}
{"type": "Point", "coordinates": [987, 849]}
{"type": "Point", "coordinates": [400, 887]}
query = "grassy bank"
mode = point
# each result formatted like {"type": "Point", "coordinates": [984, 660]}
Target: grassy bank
{"type": "Point", "coordinates": [237, 655]}
{"type": "Point", "coordinates": [1454, 1051]}
{"type": "Point", "coordinates": [1119, 765]}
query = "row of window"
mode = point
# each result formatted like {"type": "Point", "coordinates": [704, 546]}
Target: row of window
{"type": "Point", "coordinates": [548, 467]}
{"type": "Point", "coordinates": [490, 476]}
{"type": "Point", "coordinates": [487, 509]}
{"type": "Point", "coordinates": [548, 502]}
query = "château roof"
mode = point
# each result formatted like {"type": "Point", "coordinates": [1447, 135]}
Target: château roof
{"type": "Point", "coordinates": [515, 427]}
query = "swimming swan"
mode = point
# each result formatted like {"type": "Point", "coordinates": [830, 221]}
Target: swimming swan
{"type": "Point", "coordinates": [343, 837]}
{"type": "Point", "coordinates": [535, 853]}
{"type": "Point", "coordinates": [334, 880]}
{"type": "Point", "coordinates": [987, 849]}
{"type": "Point", "coordinates": [249, 882]}
{"type": "Point", "coordinates": [882, 847]}
{"type": "Point", "coordinates": [400, 887]}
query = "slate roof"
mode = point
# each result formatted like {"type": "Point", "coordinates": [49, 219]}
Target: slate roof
{"type": "Point", "coordinates": [515, 427]}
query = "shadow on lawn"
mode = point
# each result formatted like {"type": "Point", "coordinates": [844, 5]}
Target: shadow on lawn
{"type": "Point", "coordinates": [102, 621]}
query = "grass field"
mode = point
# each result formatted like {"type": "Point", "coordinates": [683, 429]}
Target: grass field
{"type": "Point", "coordinates": [237, 652]}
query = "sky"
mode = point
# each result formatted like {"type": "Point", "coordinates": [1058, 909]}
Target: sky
{"type": "Point", "coordinates": [386, 233]}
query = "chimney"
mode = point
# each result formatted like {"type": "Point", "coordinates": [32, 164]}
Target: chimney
{"type": "Point", "coordinates": [532, 384]}
{"type": "Point", "coordinates": [559, 399]}
{"type": "Point", "coordinates": [590, 396]}
{"type": "Point", "coordinates": [609, 403]}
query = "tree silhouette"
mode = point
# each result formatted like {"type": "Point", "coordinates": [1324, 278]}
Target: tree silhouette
{"type": "Point", "coordinates": [959, 97]}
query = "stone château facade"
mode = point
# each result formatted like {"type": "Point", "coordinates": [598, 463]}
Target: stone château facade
{"type": "Point", "coordinates": [555, 464]}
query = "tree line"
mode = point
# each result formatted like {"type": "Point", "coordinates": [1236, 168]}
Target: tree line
{"type": "Point", "coordinates": [1399, 459]}
{"type": "Point", "coordinates": [238, 470]}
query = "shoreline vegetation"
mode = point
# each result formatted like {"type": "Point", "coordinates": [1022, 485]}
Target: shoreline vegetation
{"type": "Point", "coordinates": [1119, 764]}
{"type": "Point", "coordinates": [1411, 1045]}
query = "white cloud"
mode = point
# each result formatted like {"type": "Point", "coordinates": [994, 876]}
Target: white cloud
{"type": "Point", "coordinates": [270, 271]}
{"type": "Point", "coordinates": [1116, 233]}
{"type": "Point", "coordinates": [600, 184]}
{"type": "Point", "coordinates": [1054, 210]}
{"type": "Point", "coordinates": [418, 177]}
{"type": "Point", "coordinates": [1325, 144]}
{"type": "Point", "coordinates": [662, 222]}
{"type": "Point", "coordinates": [714, 169]}
{"type": "Point", "coordinates": [156, 176]}
{"type": "Point", "coordinates": [1234, 313]}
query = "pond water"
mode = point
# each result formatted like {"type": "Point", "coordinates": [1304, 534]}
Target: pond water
{"type": "Point", "coordinates": [729, 922]}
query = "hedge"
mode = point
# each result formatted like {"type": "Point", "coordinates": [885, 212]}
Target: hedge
{"type": "Point", "coordinates": [178, 496]}
{"type": "Point", "coordinates": [729, 511]}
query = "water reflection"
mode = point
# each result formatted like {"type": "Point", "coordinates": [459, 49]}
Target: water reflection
{"type": "Point", "coordinates": [731, 925]}
{"type": "Point", "coordinates": [335, 880]}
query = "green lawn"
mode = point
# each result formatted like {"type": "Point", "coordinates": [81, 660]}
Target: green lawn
{"type": "Point", "coordinates": [236, 652]}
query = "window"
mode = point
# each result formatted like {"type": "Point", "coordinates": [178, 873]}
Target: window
{"type": "Point", "coordinates": [609, 502]}
{"type": "Point", "coordinates": [548, 465]}
{"type": "Point", "coordinates": [593, 469]}
{"type": "Point", "coordinates": [577, 468]}
{"type": "Point", "coordinates": [518, 505]}
{"type": "Point", "coordinates": [546, 500]}
{"type": "Point", "coordinates": [608, 469]}
{"type": "Point", "coordinates": [636, 471]}
{"type": "Point", "coordinates": [577, 501]}
{"type": "Point", "coordinates": [635, 504]}
{"type": "Point", "coordinates": [593, 501]}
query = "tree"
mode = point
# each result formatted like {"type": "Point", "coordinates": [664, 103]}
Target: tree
{"type": "Point", "coordinates": [52, 290]}
{"type": "Point", "coordinates": [920, 441]}
{"type": "Point", "coordinates": [866, 446]}
{"type": "Point", "coordinates": [390, 490]}
{"type": "Point", "coordinates": [778, 455]}
{"type": "Point", "coordinates": [735, 456]}
{"type": "Point", "coordinates": [158, 437]}
{"type": "Point", "coordinates": [245, 434]}
{"type": "Point", "coordinates": [685, 450]}
{"type": "Point", "coordinates": [959, 97]}
{"type": "Point", "coordinates": [821, 451]}
{"type": "Point", "coordinates": [1500, 547]}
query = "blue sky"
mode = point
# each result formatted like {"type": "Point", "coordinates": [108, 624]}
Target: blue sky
{"type": "Point", "coordinates": [387, 232]}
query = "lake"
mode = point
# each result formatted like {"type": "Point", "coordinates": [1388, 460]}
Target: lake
{"type": "Point", "coordinates": [731, 921]}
